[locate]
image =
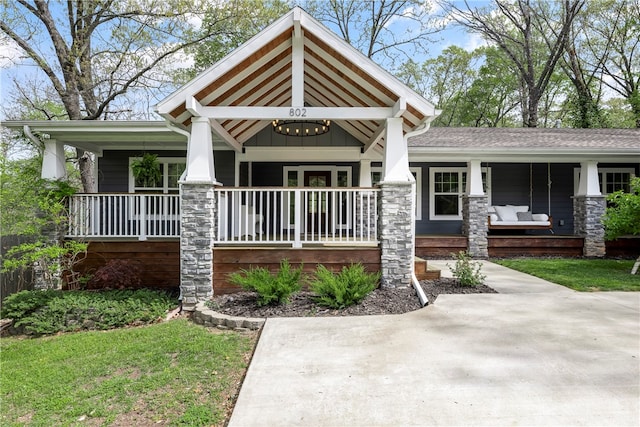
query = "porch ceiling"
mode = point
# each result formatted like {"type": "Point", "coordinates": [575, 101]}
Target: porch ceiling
{"type": "Point", "coordinates": [297, 62]}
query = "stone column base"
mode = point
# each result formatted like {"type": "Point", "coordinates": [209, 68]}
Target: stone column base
{"type": "Point", "coordinates": [396, 239]}
{"type": "Point", "coordinates": [587, 222]}
{"type": "Point", "coordinates": [198, 207]}
{"type": "Point", "coordinates": [475, 225]}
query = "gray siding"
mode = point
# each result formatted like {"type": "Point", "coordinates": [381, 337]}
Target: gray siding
{"type": "Point", "coordinates": [113, 168]}
{"type": "Point", "coordinates": [336, 137]}
{"type": "Point", "coordinates": [517, 184]}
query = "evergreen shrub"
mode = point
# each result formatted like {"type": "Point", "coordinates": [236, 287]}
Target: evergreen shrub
{"type": "Point", "coordinates": [345, 288]}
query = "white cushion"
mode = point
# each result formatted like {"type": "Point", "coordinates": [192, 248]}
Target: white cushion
{"type": "Point", "coordinates": [493, 217]}
{"type": "Point", "coordinates": [540, 217]}
{"type": "Point", "coordinates": [506, 213]}
{"type": "Point", "coordinates": [523, 223]}
{"type": "Point", "coordinates": [521, 208]}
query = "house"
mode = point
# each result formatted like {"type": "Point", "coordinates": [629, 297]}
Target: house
{"type": "Point", "coordinates": [297, 146]}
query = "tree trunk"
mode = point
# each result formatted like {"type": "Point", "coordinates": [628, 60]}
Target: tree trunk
{"type": "Point", "coordinates": [634, 270]}
{"type": "Point", "coordinates": [85, 164]}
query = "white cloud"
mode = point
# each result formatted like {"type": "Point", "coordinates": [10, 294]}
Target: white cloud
{"type": "Point", "coordinates": [10, 53]}
{"type": "Point", "coordinates": [472, 41]}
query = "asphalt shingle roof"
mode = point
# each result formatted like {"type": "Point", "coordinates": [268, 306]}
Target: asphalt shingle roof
{"type": "Point", "coordinates": [536, 138]}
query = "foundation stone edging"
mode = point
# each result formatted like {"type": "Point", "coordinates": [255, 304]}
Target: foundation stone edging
{"type": "Point", "coordinates": [202, 315]}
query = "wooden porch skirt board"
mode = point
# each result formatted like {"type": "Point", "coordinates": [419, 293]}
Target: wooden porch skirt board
{"type": "Point", "coordinates": [535, 246]}
{"type": "Point", "coordinates": [159, 261]}
{"type": "Point", "coordinates": [229, 260]}
{"type": "Point", "coordinates": [502, 246]}
{"type": "Point", "coordinates": [624, 247]}
{"type": "Point", "coordinates": [439, 246]}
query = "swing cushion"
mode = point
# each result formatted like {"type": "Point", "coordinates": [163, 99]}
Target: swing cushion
{"type": "Point", "coordinates": [517, 217]}
{"type": "Point", "coordinates": [524, 216]}
{"type": "Point", "coordinates": [506, 213]}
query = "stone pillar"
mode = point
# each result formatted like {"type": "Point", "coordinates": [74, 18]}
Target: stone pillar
{"type": "Point", "coordinates": [474, 224]}
{"type": "Point", "coordinates": [396, 239]}
{"type": "Point", "coordinates": [198, 208]}
{"type": "Point", "coordinates": [587, 222]}
{"type": "Point", "coordinates": [366, 212]}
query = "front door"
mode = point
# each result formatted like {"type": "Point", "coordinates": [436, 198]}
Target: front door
{"type": "Point", "coordinates": [318, 213]}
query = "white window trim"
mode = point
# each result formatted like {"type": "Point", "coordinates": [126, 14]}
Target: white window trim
{"type": "Point", "coordinates": [302, 169]}
{"type": "Point", "coordinates": [462, 191]}
{"type": "Point", "coordinates": [603, 171]}
{"type": "Point", "coordinates": [418, 171]}
{"type": "Point", "coordinates": [165, 178]}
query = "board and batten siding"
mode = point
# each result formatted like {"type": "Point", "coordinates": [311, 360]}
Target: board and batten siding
{"type": "Point", "coordinates": [510, 184]}
{"type": "Point", "coordinates": [336, 137]}
{"type": "Point", "coordinates": [113, 168]}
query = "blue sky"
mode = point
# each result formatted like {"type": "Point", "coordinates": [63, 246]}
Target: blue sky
{"type": "Point", "coordinates": [13, 66]}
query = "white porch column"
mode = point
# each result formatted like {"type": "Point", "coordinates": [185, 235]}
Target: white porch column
{"type": "Point", "coordinates": [395, 164]}
{"type": "Point", "coordinates": [53, 160]}
{"type": "Point", "coordinates": [200, 164]}
{"type": "Point", "coordinates": [474, 212]}
{"type": "Point", "coordinates": [474, 178]}
{"type": "Point", "coordinates": [589, 206]}
{"type": "Point", "coordinates": [197, 215]}
{"type": "Point", "coordinates": [365, 173]}
{"type": "Point", "coordinates": [395, 210]}
{"type": "Point", "coordinates": [589, 183]}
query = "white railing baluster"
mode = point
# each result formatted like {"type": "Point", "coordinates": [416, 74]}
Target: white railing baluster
{"type": "Point", "coordinates": [292, 216]}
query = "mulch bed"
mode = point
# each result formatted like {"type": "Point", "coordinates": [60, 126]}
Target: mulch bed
{"type": "Point", "coordinates": [380, 301]}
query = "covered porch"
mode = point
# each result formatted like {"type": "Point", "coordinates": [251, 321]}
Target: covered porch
{"type": "Point", "coordinates": [296, 93]}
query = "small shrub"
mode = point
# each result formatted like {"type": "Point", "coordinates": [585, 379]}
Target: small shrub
{"type": "Point", "coordinates": [23, 303]}
{"type": "Point", "coordinates": [49, 312]}
{"type": "Point", "coordinates": [52, 258]}
{"type": "Point", "coordinates": [466, 271]}
{"type": "Point", "coordinates": [348, 287]}
{"type": "Point", "coordinates": [116, 274]}
{"type": "Point", "coordinates": [271, 289]}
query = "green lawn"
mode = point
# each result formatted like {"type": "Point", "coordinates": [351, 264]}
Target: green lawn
{"type": "Point", "coordinates": [175, 373]}
{"type": "Point", "coordinates": [579, 274]}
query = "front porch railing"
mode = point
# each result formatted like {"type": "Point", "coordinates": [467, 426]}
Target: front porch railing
{"type": "Point", "coordinates": [292, 216]}
{"type": "Point", "coordinates": [296, 216]}
{"type": "Point", "coordinates": [124, 215]}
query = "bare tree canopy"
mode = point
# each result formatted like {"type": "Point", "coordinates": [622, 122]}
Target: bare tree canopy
{"type": "Point", "coordinates": [388, 31]}
{"type": "Point", "coordinates": [612, 45]}
{"type": "Point", "coordinates": [94, 52]}
{"type": "Point", "coordinates": [532, 33]}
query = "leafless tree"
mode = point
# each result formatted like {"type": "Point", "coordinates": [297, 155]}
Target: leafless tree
{"type": "Point", "coordinates": [388, 31]}
{"type": "Point", "coordinates": [532, 33]}
{"type": "Point", "coordinates": [95, 51]}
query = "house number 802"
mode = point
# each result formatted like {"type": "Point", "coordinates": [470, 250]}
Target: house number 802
{"type": "Point", "coordinates": [298, 112]}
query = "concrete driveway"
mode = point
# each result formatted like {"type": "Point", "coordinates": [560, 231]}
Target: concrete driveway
{"type": "Point", "coordinates": [535, 354]}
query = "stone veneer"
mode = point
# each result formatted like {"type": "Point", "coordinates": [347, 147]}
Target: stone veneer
{"type": "Point", "coordinates": [474, 224]}
{"type": "Point", "coordinates": [396, 240]}
{"type": "Point", "coordinates": [198, 207]}
{"type": "Point", "coordinates": [366, 211]}
{"type": "Point", "coordinates": [587, 222]}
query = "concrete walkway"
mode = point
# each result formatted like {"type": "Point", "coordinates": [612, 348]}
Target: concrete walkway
{"type": "Point", "coordinates": [535, 354]}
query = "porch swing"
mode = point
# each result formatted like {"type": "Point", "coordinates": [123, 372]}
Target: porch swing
{"type": "Point", "coordinates": [511, 217]}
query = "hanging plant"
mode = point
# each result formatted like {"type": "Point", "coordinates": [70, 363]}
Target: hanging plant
{"type": "Point", "coordinates": [146, 170]}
